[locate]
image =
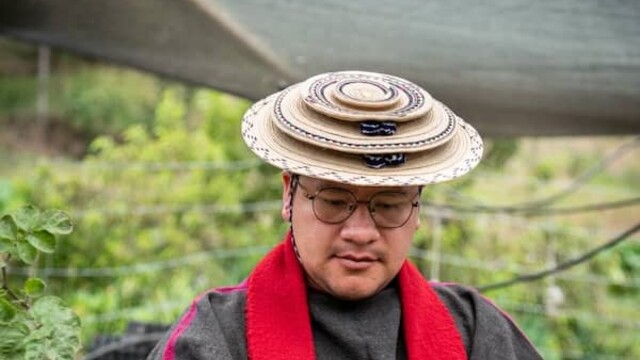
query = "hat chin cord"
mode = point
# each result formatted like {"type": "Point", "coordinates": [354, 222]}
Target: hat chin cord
{"type": "Point", "coordinates": [294, 187]}
{"type": "Point", "coordinates": [292, 192]}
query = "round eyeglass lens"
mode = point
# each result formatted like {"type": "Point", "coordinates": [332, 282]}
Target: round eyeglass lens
{"type": "Point", "coordinates": [388, 210]}
{"type": "Point", "coordinates": [333, 205]}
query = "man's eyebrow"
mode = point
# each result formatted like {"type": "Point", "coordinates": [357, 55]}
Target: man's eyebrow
{"type": "Point", "coordinates": [315, 186]}
{"type": "Point", "coordinates": [310, 188]}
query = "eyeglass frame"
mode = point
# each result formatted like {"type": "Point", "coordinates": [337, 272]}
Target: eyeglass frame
{"type": "Point", "coordinates": [309, 196]}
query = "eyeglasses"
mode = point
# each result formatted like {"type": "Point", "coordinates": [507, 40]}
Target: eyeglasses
{"type": "Point", "coordinates": [387, 209]}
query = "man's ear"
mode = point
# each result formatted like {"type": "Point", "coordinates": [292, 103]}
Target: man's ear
{"type": "Point", "coordinates": [286, 196]}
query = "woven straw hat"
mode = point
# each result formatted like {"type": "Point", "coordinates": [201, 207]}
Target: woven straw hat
{"type": "Point", "coordinates": [361, 128]}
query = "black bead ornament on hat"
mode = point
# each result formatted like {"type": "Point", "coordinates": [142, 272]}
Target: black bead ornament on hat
{"type": "Point", "coordinates": [361, 128]}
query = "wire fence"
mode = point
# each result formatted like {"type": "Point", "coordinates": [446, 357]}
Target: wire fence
{"type": "Point", "coordinates": [417, 253]}
{"type": "Point", "coordinates": [541, 207]}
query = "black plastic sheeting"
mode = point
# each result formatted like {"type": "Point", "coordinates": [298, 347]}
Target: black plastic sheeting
{"type": "Point", "coordinates": [135, 344]}
{"type": "Point", "coordinates": [511, 68]}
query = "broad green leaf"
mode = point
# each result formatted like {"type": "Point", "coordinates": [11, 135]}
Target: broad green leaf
{"type": "Point", "coordinates": [5, 245]}
{"type": "Point", "coordinates": [42, 240]}
{"type": "Point", "coordinates": [8, 229]}
{"type": "Point", "coordinates": [34, 287]}
{"type": "Point", "coordinates": [12, 340]}
{"type": "Point", "coordinates": [38, 350]}
{"type": "Point", "coordinates": [27, 218]}
{"type": "Point", "coordinates": [7, 310]}
{"type": "Point", "coordinates": [20, 325]}
{"type": "Point", "coordinates": [51, 310]}
{"type": "Point", "coordinates": [57, 222]}
{"type": "Point", "coordinates": [58, 331]}
{"type": "Point", "coordinates": [50, 349]}
{"type": "Point", "coordinates": [13, 354]}
{"type": "Point", "coordinates": [26, 252]}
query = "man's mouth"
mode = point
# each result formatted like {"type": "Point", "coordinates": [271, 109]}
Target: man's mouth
{"type": "Point", "coordinates": [356, 261]}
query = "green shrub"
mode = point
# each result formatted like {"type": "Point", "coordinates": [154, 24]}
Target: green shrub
{"type": "Point", "coordinates": [34, 325]}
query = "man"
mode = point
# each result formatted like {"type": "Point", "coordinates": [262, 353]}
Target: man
{"type": "Point", "coordinates": [355, 149]}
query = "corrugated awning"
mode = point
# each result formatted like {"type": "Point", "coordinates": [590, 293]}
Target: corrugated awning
{"type": "Point", "coordinates": [512, 68]}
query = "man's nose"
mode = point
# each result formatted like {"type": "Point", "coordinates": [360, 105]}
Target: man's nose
{"type": "Point", "coordinates": [360, 227]}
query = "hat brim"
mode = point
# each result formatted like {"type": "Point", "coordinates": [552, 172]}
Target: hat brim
{"type": "Point", "coordinates": [452, 159]}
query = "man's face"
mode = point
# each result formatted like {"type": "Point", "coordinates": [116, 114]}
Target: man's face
{"type": "Point", "coordinates": [353, 259]}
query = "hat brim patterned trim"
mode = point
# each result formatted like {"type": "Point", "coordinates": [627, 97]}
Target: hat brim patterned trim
{"type": "Point", "coordinates": [417, 102]}
{"type": "Point", "coordinates": [451, 160]}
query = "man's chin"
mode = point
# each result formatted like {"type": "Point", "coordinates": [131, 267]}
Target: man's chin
{"type": "Point", "coordinates": [355, 292]}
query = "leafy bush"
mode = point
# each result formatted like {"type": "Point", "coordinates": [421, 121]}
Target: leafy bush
{"type": "Point", "coordinates": [105, 100]}
{"type": "Point", "coordinates": [33, 325]}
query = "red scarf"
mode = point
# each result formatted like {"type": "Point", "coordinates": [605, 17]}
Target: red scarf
{"type": "Point", "coordinates": [279, 327]}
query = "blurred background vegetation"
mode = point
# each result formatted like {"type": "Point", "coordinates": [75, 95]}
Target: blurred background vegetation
{"type": "Point", "coordinates": [168, 202]}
